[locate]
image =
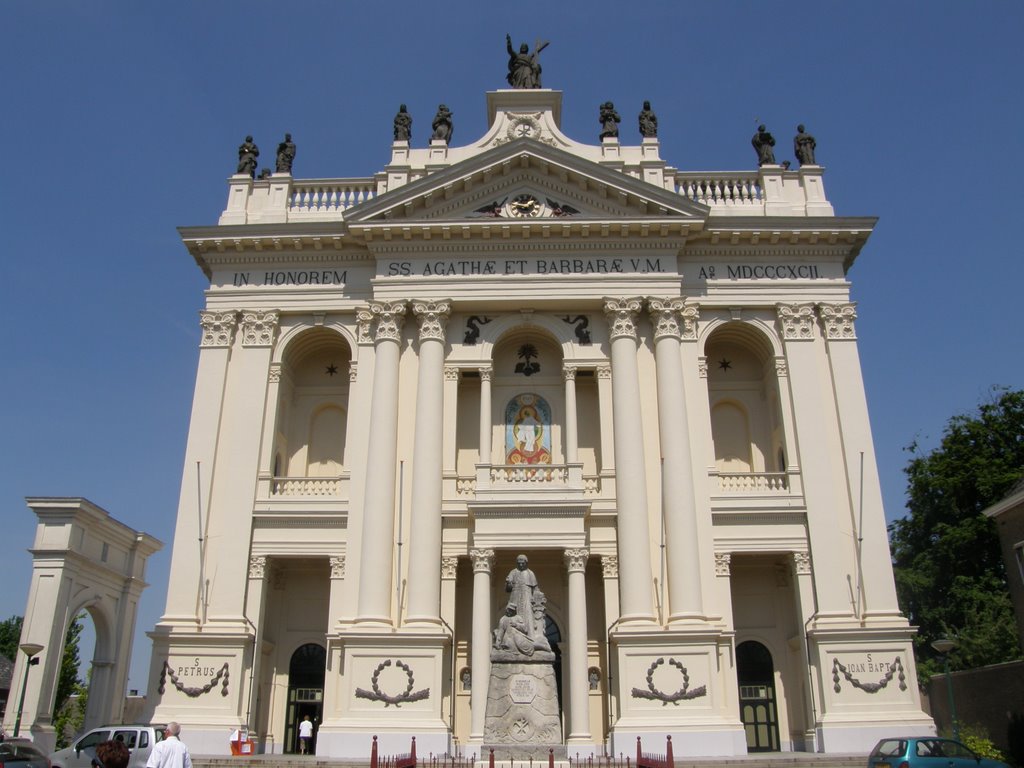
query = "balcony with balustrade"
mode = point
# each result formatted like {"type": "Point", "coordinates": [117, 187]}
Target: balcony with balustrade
{"type": "Point", "coordinates": [302, 495]}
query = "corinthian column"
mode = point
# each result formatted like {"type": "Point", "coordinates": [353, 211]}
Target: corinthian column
{"type": "Point", "coordinates": [425, 555]}
{"type": "Point", "coordinates": [579, 685]}
{"type": "Point", "coordinates": [374, 604]}
{"type": "Point", "coordinates": [677, 495]}
{"type": "Point", "coordinates": [633, 531]}
{"type": "Point", "coordinates": [480, 650]}
{"type": "Point", "coordinates": [572, 455]}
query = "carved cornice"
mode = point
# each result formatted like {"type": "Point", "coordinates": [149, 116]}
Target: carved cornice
{"type": "Point", "coordinates": [451, 373]}
{"type": "Point", "coordinates": [722, 562]}
{"type": "Point", "coordinates": [449, 568]}
{"type": "Point", "coordinates": [610, 566]}
{"type": "Point", "coordinates": [259, 328]}
{"type": "Point", "coordinates": [390, 317]}
{"type": "Point", "coordinates": [483, 560]}
{"type": "Point", "coordinates": [621, 315]}
{"type": "Point", "coordinates": [796, 321]}
{"type": "Point", "coordinates": [218, 328]}
{"type": "Point", "coordinates": [802, 563]}
{"type": "Point", "coordinates": [257, 567]}
{"type": "Point", "coordinates": [576, 560]}
{"type": "Point", "coordinates": [838, 320]}
{"type": "Point", "coordinates": [337, 566]}
{"type": "Point", "coordinates": [666, 316]}
{"type": "Point", "coordinates": [433, 318]}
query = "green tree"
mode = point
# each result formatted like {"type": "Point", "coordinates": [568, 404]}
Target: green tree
{"type": "Point", "coordinates": [67, 678]}
{"type": "Point", "coordinates": [10, 636]}
{"type": "Point", "coordinates": [949, 570]}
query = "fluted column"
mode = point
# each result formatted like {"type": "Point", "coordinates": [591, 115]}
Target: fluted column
{"type": "Point", "coordinates": [633, 530]}
{"type": "Point", "coordinates": [677, 495]}
{"type": "Point", "coordinates": [571, 430]}
{"type": "Point", "coordinates": [485, 414]}
{"type": "Point", "coordinates": [579, 685]}
{"type": "Point", "coordinates": [427, 475]}
{"type": "Point", "coordinates": [375, 578]}
{"type": "Point", "coordinates": [480, 658]}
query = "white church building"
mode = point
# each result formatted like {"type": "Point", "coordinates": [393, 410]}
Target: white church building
{"type": "Point", "coordinates": [644, 379]}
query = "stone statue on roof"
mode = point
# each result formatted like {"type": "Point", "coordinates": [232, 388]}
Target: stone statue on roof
{"type": "Point", "coordinates": [763, 143]}
{"type": "Point", "coordinates": [247, 154]}
{"type": "Point", "coordinates": [524, 67]}
{"type": "Point", "coordinates": [403, 124]}
{"type": "Point", "coordinates": [803, 146]}
{"type": "Point", "coordinates": [285, 155]}
{"type": "Point", "coordinates": [442, 124]}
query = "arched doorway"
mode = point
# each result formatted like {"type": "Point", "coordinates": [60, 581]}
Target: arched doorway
{"type": "Point", "coordinates": [306, 673]}
{"type": "Point", "coordinates": [758, 710]}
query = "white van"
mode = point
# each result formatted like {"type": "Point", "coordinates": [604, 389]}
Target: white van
{"type": "Point", "coordinates": [138, 738]}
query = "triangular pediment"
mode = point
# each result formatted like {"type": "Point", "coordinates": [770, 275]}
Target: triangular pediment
{"type": "Point", "coordinates": [525, 180]}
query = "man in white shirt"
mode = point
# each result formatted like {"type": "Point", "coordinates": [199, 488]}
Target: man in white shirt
{"type": "Point", "coordinates": [171, 752]}
{"type": "Point", "coordinates": [305, 735]}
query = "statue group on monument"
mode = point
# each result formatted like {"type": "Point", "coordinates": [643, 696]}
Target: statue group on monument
{"type": "Point", "coordinates": [248, 153]}
{"type": "Point", "coordinates": [521, 631]}
{"type": "Point", "coordinates": [803, 147]}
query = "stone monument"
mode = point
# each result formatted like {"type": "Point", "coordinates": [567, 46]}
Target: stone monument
{"type": "Point", "coordinates": [522, 696]}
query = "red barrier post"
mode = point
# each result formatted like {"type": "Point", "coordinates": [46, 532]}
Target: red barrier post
{"type": "Point", "coordinates": [373, 754]}
{"type": "Point", "coordinates": [668, 754]}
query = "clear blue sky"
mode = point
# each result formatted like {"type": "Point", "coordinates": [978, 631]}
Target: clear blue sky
{"type": "Point", "coordinates": [121, 120]}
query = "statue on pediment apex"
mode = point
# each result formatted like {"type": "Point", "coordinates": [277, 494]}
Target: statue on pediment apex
{"type": "Point", "coordinates": [524, 67]}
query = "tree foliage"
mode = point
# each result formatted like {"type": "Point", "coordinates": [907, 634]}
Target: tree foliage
{"type": "Point", "coordinates": [949, 569]}
{"type": "Point", "coordinates": [10, 636]}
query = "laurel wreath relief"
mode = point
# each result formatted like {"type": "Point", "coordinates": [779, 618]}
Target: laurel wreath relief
{"type": "Point", "coordinates": [896, 666]}
{"type": "Point", "coordinates": [194, 692]}
{"type": "Point", "coordinates": [682, 694]}
{"type": "Point", "coordinates": [377, 695]}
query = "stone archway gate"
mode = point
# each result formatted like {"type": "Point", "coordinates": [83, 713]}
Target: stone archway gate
{"type": "Point", "coordinates": [82, 559]}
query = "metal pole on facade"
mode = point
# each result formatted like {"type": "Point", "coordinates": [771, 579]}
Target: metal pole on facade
{"type": "Point", "coordinates": [32, 650]}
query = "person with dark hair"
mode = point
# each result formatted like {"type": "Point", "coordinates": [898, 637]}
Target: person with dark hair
{"type": "Point", "coordinates": [112, 754]}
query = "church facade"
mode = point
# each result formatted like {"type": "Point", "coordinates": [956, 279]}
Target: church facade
{"type": "Point", "coordinates": [644, 380]}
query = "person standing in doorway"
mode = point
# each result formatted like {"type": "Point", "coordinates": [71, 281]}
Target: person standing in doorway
{"type": "Point", "coordinates": [305, 735]}
{"type": "Point", "coordinates": [171, 752]}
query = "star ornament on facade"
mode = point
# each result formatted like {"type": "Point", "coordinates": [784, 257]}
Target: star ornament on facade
{"type": "Point", "coordinates": [331, 369]}
{"type": "Point", "coordinates": [724, 364]}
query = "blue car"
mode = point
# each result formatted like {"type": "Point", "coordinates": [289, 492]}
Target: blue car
{"type": "Point", "coordinates": [926, 752]}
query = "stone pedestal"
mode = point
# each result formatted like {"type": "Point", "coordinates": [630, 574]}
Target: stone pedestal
{"type": "Point", "coordinates": [522, 704]}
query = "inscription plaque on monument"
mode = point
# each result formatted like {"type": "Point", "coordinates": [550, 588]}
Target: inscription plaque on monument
{"type": "Point", "coordinates": [522, 689]}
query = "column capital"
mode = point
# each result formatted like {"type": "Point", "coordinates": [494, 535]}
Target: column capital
{"type": "Point", "coordinates": [433, 318]}
{"type": "Point", "coordinates": [576, 560]}
{"type": "Point", "coordinates": [702, 367]}
{"type": "Point", "coordinates": [259, 328]}
{"type": "Point", "coordinates": [389, 317]}
{"type": "Point", "coordinates": [274, 375]}
{"type": "Point", "coordinates": [486, 373]}
{"type": "Point", "coordinates": [449, 567]}
{"type": "Point", "coordinates": [218, 328]}
{"type": "Point", "coordinates": [569, 372]}
{"type": "Point", "coordinates": [621, 314]}
{"type": "Point", "coordinates": [781, 369]}
{"type": "Point", "coordinates": [353, 371]}
{"type": "Point", "coordinates": [796, 321]}
{"type": "Point", "coordinates": [604, 371]}
{"type": "Point", "coordinates": [451, 372]}
{"type": "Point", "coordinates": [723, 561]}
{"type": "Point", "coordinates": [666, 316]}
{"type": "Point", "coordinates": [610, 566]}
{"type": "Point", "coordinates": [483, 560]}
{"type": "Point", "coordinates": [838, 320]}
{"type": "Point", "coordinates": [337, 566]}
{"type": "Point", "coordinates": [257, 566]}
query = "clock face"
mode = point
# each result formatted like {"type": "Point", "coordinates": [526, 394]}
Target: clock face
{"type": "Point", "coordinates": [525, 205]}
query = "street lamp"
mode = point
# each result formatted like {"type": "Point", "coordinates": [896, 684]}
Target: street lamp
{"type": "Point", "coordinates": [944, 645]}
{"type": "Point", "coordinates": [32, 650]}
